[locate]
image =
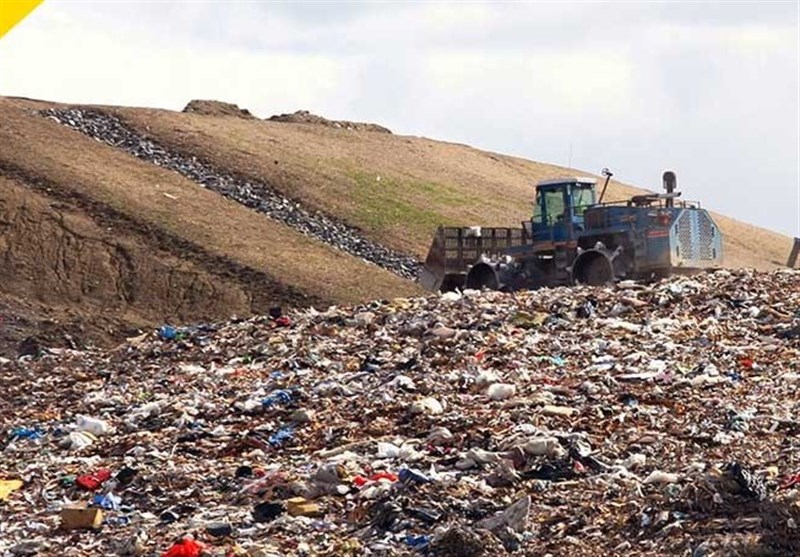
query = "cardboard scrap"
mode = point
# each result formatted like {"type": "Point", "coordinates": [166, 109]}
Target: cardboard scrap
{"type": "Point", "coordinates": [79, 516]}
{"type": "Point", "coordinates": [299, 506]}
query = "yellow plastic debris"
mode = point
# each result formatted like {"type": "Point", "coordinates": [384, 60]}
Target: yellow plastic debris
{"type": "Point", "coordinates": [9, 486]}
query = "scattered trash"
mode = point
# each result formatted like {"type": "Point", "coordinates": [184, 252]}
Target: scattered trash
{"type": "Point", "coordinates": [749, 483]}
{"type": "Point", "coordinates": [644, 428]}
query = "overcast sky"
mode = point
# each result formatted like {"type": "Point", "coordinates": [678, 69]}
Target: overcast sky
{"type": "Point", "coordinates": [708, 89]}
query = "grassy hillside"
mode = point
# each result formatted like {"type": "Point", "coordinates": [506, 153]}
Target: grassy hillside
{"type": "Point", "coordinates": [398, 188]}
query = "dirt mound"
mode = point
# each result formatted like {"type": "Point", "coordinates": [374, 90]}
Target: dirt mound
{"type": "Point", "coordinates": [305, 117]}
{"type": "Point", "coordinates": [217, 108]}
{"type": "Point", "coordinates": [81, 262]}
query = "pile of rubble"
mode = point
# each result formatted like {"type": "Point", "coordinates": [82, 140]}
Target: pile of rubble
{"type": "Point", "coordinates": [217, 108]}
{"type": "Point", "coordinates": [658, 419]}
{"type": "Point", "coordinates": [306, 117]}
{"type": "Point", "coordinates": [255, 195]}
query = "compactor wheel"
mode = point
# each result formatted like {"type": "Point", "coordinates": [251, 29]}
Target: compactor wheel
{"type": "Point", "coordinates": [594, 269]}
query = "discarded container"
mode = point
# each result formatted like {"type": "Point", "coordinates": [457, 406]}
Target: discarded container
{"type": "Point", "coordinates": [95, 426]}
{"type": "Point", "coordinates": [78, 440]}
{"type": "Point", "coordinates": [427, 405]}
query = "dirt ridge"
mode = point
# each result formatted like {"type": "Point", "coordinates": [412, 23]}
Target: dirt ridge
{"type": "Point", "coordinates": [265, 286]}
{"type": "Point", "coordinates": [255, 195]}
{"type": "Point", "coordinates": [306, 117]}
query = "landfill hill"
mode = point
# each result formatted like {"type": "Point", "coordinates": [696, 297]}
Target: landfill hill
{"type": "Point", "coordinates": [102, 238]}
{"type": "Point", "coordinates": [639, 420]}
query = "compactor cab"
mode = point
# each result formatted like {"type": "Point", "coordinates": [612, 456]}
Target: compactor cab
{"type": "Point", "coordinates": [559, 208]}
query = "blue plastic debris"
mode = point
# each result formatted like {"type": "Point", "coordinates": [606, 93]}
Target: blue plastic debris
{"type": "Point", "coordinates": [108, 501]}
{"type": "Point", "coordinates": [282, 435]}
{"type": "Point", "coordinates": [407, 475]}
{"type": "Point", "coordinates": [734, 376]}
{"type": "Point", "coordinates": [278, 397]}
{"type": "Point", "coordinates": [417, 542]}
{"type": "Point", "coordinates": [32, 433]}
{"type": "Point", "coordinates": [167, 332]}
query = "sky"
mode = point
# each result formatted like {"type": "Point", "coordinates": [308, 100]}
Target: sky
{"type": "Point", "coordinates": [708, 89]}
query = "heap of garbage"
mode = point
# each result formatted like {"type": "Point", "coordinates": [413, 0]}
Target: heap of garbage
{"type": "Point", "coordinates": [638, 419]}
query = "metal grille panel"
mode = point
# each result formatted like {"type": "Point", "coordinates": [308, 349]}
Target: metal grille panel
{"type": "Point", "coordinates": [695, 237]}
{"type": "Point", "coordinates": [684, 226]}
{"type": "Point", "coordinates": [463, 248]}
{"type": "Point", "coordinates": [705, 237]}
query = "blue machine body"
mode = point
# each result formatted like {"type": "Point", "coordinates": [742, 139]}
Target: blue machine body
{"type": "Point", "coordinates": [573, 238]}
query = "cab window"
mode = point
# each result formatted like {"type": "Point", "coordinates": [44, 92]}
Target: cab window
{"type": "Point", "coordinates": [554, 205]}
{"type": "Point", "coordinates": [582, 198]}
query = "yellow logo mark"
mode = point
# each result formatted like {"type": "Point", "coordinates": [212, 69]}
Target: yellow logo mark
{"type": "Point", "coordinates": [14, 11]}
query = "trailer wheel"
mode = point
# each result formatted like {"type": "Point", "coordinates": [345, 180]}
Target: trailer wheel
{"type": "Point", "coordinates": [593, 268]}
{"type": "Point", "coordinates": [482, 276]}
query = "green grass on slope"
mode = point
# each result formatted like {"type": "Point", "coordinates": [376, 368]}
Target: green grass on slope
{"type": "Point", "coordinates": [384, 202]}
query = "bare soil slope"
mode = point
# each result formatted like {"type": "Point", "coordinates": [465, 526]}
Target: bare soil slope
{"type": "Point", "coordinates": [89, 231]}
{"type": "Point", "coordinates": [95, 242]}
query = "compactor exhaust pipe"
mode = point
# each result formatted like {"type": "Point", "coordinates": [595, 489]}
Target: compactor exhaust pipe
{"type": "Point", "coordinates": [670, 183]}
